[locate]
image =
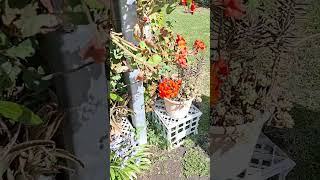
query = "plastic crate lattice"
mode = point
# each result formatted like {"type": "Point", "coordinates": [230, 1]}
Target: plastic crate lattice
{"type": "Point", "coordinates": [175, 130]}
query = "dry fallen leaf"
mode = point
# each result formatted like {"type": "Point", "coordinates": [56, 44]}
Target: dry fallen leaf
{"type": "Point", "coordinates": [94, 50]}
{"type": "Point", "coordinates": [140, 76]}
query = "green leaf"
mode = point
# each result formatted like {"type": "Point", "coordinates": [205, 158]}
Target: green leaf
{"type": "Point", "coordinates": [171, 7]}
{"type": "Point", "coordinates": [8, 70]}
{"type": "Point", "coordinates": [5, 81]}
{"type": "Point", "coordinates": [155, 59]}
{"type": "Point", "coordinates": [112, 174]}
{"type": "Point", "coordinates": [32, 25]}
{"type": "Point", "coordinates": [134, 168]}
{"type": "Point", "coordinates": [23, 50]}
{"type": "Point", "coordinates": [3, 39]}
{"type": "Point", "coordinates": [115, 97]}
{"type": "Point", "coordinates": [116, 77]}
{"type": "Point", "coordinates": [164, 69]}
{"type": "Point", "coordinates": [19, 113]}
{"type": "Point", "coordinates": [143, 45]}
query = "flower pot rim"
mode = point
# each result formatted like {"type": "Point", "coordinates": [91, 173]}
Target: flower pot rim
{"type": "Point", "coordinates": [178, 102]}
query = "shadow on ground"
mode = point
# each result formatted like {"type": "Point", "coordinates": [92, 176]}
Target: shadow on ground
{"type": "Point", "coordinates": [301, 143]}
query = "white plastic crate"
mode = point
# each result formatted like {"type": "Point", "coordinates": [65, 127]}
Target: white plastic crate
{"type": "Point", "coordinates": [268, 162]}
{"type": "Point", "coordinates": [127, 128]}
{"type": "Point", "coordinates": [175, 130]}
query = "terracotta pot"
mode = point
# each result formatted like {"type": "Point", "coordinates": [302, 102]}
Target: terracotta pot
{"type": "Point", "coordinates": [177, 109]}
{"type": "Point", "coordinates": [231, 148]}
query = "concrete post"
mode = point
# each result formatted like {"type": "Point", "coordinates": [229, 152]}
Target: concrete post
{"type": "Point", "coordinates": [83, 96]}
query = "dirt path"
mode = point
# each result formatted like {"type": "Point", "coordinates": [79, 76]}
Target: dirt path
{"type": "Point", "coordinates": [167, 165]}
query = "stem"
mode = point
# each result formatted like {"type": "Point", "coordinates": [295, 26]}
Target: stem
{"type": "Point", "coordinates": [131, 54]}
{"type": "Point", "coordinates": [53, 75]}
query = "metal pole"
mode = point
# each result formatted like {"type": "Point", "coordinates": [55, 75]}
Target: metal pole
{"type": "Point", "coordinates": [128, 13]}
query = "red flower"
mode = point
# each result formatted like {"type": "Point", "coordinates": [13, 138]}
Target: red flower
{"type": "Point", "coordinates": [199, 45]}
{"type": "Point", "coordinates": [181, 42]}
{"type": "Point", "coordinates": [169, 88]}
{"type": "Point", "coordinates": [184, 2]}
{"type": "Point", "coordinates": [193, 7]}
{"type": "Point", "coordinates": [146, 19]}
{"type": "Point", "coordinates": [233, 8]}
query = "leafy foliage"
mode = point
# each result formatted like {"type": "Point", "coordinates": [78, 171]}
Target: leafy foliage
{"type": "Point", "coordinates": [155, 137]}
{"type": "Point", "coordinates": [18, 113]}
{"type": "Point", "coordinates": [127, 159]}
{"type": "Point", "coordinates": [36, 145]}
{"type": "Point", "coordinates": [256, 49]}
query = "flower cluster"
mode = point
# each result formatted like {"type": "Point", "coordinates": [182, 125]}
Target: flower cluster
{"type": "Point", "coordinates": [219, 71]}
{"type": "Point", "coordinates": [123, 148]}
{"type": "Point", "coordinates": [199, 45]}
{"type": "Point", "coordinates": [169, 88]}
{"type": "Point", "coordinates": [182, 51]}
{"type": "Point", "coordinates": [233, 8]}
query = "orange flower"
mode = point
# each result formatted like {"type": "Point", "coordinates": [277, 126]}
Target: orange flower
{"type": "Point", "coordinates": [199, 45]}
{"type": "Point", "coordinates": [181, 42]}
{"type": "Point", "coordinates": [169, 88]}
{"type": "Point", "coordinates": [182, 59]}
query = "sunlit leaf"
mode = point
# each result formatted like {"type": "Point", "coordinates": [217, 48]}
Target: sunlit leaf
{"type": "Point", "coordinates": [115, 97]}
{"type": "Point", "coordinates": [171, 7]}
{"type": "Point", "coordinates": [143, 45]}
{"type": "Point", "coordinates": [155, 59]}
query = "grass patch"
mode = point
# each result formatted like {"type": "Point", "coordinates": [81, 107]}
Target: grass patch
{"type": "Point", "coordinates": [313, 23]}
{"type": "Point", "coordinates": [195, 163]}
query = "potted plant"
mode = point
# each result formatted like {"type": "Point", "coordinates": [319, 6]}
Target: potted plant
{"type": "Point", "coordinates": [179, 90]}
{"type": "Point", "coordinates": [246, 76]}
